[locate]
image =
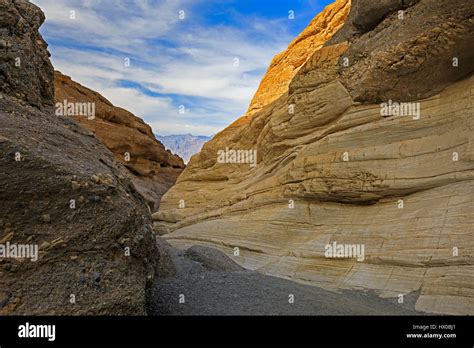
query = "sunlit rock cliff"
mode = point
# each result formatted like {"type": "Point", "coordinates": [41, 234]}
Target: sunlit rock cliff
{"type": "Point", "coordinates": [153, 169]}
{"type": "Point", "coordinates": [363, 137]}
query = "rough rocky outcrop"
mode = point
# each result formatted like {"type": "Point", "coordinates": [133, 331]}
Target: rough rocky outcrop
{"type": "Point", "coordinates": [413, 49]}
{"type": "Point", "coordinates": [332, 168]}
{"type": "Point", "coordinates": [64, 193]}
{"type": "Point", "coordinates": [25, 70]}
{"type": "Point", "coordinates": [154, 169]}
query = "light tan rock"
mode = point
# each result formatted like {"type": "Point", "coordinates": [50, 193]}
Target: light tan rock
{"type": "Point", "coordinates": [401, 187]}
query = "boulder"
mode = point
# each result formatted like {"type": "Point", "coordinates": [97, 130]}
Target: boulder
{"type": "Point", "coordinates": [81, 232]}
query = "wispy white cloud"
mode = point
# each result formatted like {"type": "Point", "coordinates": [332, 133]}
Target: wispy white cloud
{"type": "Point", "coordinates": [173, 61]}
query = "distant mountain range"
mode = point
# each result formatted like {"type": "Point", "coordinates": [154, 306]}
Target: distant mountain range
{"type": "Point", "coordinates": [183, 145]}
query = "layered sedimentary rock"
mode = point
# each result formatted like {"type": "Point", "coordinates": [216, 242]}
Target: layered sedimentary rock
{"type": "Point", "coordinates": [335, 166]}
{"type": "Point", "coordinates": [153, 168]}
{"type": "Point", "coordinates": [75, 235]}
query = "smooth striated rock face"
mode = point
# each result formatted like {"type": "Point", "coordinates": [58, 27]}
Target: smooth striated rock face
{"type": "Point", "coordinates": [154, 169]}
{"type": "Point", "coordinates": [331, 168]}
{"type": "Point", "coordinates": [75, 235]}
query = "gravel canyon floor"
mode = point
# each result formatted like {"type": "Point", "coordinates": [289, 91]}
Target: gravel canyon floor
{"type": "Point", "coordinates": [329, 167]}
{"type": "Point", "coordinates": [206, 282]}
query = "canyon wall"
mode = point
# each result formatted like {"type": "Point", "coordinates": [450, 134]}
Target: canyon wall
{"type": "Point", "coordinates": [153, 169]}
{"type": "Point", "coordinates": [286, 64]}
{"type": "Point", "coordinates": [334, 166]}
{"type": "Point", "coordinates": [75, 235]}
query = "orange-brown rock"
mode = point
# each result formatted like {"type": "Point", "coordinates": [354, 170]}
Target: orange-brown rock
{"type": "Point", "coordinates": [154, 169]}
{"type": "Point", "coordinates": [287, 63]}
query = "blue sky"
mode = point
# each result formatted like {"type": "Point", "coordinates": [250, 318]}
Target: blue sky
{"type": "Point", "coordinates": [187, 62]}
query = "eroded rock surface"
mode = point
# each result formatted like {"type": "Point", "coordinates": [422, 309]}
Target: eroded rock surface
{"type": "Point", "coordinates": [331, 168]}
{"type": "Point", "coordinates": [63, 192]}
{"type": "Point", "coordinates": [153, 168]}
{"type": "Point", "coordinates": [286, 64]}
{"type": "Point", "coordinates": [25, 70]}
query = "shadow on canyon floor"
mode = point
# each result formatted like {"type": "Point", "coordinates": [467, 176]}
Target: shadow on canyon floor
{"type": "Point", "coordinates": [212, 284]}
